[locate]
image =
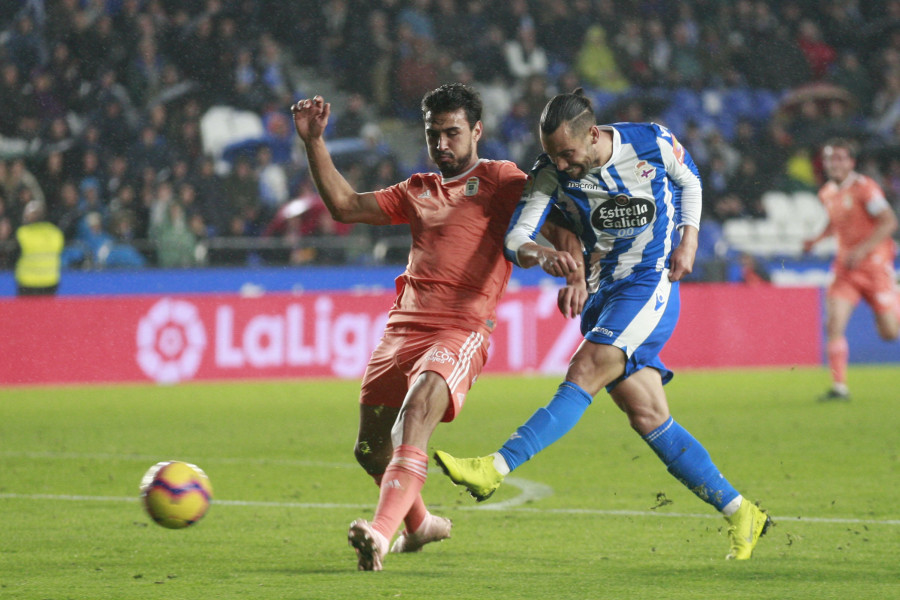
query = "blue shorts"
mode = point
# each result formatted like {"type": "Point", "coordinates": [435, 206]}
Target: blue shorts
{"type": "Point", "coordinates": [636, 314]}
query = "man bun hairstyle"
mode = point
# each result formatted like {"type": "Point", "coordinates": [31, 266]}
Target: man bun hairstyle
{"type": "Point", "coordinates": [453, 96]}
{"type": "Point", "coordinates": [573, 108]}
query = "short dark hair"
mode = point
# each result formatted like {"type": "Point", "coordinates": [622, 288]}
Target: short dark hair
{"type": "Point", "coordinates": [453, 96]}
{"type": "Point", "coordinates": [573, 108]}
{"type": "Point", "coordinates": [847, 144]}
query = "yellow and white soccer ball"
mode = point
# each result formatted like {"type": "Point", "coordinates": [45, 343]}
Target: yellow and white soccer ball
{"type": "Point", "coordinates": [176, 494]}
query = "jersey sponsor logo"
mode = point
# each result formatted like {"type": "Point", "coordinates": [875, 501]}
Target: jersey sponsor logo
{"type": "Point", "coordinates": [583, 185]}
{"type": "Point", "coordinates": [425, 194]}
{"type": "Point", "coordinates": [442, 355]}
{"type": "Point", "coordinates": [603, 331]}
{"type": "Point", "coordinates": [644, 171]}
{"type": "Point", "coordinates": [623, 216]}
{"type": "Point", "coordinates": [471, 186]}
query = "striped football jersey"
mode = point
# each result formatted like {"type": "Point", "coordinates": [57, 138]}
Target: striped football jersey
{"type": "Point", "coordinates": [626, 212]}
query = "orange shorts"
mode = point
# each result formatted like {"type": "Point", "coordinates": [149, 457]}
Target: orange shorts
{"type": "Point", "coordinates": [874, 283]}
{"type": "Point", "coordinates": [403, 353]}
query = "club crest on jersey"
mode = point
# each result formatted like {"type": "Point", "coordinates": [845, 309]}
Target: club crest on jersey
{"type": "Point", "coordinates": [471, 186]}
{"type": "Point", "coordinates": [644, 171]}
{"type": "Point", "coordinates": [623, 216]}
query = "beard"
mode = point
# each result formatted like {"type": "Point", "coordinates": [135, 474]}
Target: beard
{"type": "Point", "coordinates": [454, 166]}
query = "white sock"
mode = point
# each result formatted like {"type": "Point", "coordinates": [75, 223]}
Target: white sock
{"type": "Point", "coordinates": [500, 464]}
{"type": "Point", "coordinates": [733, 506]}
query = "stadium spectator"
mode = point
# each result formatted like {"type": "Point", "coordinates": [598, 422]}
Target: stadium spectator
{"type": "Point", "coordinates": [67, 213]}
{"type": "Point", "coordinates": [375, 83]}
{"type": "Point", "coordinates": [626, 293]}
{"type": "Point", "coordinates": [25, 46]}
{"type": "Point", "coordinates": [861, 219]}
{"type": "Point", "coordinates": [417, 70]}
{"type": "Point", "coordinates": [12, 97]}
{"type": "Point", "coordinates": [15, 176]}
{"type": "Point", "coordinates": [442, 312]}
{"type": "Point", "coordinates": [78, 54]}
{"type": "Point", "coordinates": [819, 54]}
{"type": "Point", "coordinates": [560, 28]}
{"type": "Point", "coordinates": [524, 57]}
{"type": "Point", "coordinates": [173, 239]}
{"type": "Point", "coordinates": [488, 58]}
{"type": "Point", "coordinates": [242, 199]}
{"type": "Point", "coordinates": [273, 182]}
{"type": "Point", "coordinates": [40, 245]}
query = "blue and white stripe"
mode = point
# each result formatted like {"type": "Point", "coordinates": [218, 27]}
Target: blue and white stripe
{"type": "Point", "coordinates": [647, 168]}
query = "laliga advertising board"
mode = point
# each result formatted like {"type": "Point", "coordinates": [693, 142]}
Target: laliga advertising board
{"type": "Point", "coordinates": [219, 337]}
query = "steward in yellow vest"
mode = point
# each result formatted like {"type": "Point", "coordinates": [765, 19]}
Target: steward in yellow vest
{"type": "Point", "coordinates": [40, 246]}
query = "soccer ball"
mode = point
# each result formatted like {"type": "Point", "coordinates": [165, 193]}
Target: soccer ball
{"type": "Point", "coordinates": [176, 494]}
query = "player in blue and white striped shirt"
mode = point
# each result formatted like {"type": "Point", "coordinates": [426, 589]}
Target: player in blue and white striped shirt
{"type": "Point", "coordinates": [632, 194]}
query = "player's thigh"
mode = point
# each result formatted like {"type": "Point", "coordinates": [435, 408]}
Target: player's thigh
{"type": "Point", "coordinates": [456, 356]}
{"type": "Point", "coordinates": [642, 398]}
{"type": "Point", "coordinates": [386, 381]}
{"type": "Point", "coordinates": [595, 365]}
{"type": "Point", "coordinates": [637, 315]}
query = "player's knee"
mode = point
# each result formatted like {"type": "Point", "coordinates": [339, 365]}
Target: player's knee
{"type": "Point", "coordinates": [371, 457]}
{"type": "Point", "coordinates": [646, 421]}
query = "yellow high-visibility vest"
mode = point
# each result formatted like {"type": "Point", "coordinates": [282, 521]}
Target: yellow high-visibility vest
{"type": "Point", "coordinates": [39, 264]}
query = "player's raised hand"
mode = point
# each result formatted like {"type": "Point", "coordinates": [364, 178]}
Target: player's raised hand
{"type": "Point", "coordinates": [311, 117]}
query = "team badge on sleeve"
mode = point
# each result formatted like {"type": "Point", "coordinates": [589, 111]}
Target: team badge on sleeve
{"type": "Point", "coordinates": [678, 149]}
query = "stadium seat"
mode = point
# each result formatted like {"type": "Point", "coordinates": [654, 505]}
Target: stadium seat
{"type": "Point", "coordinates": [222, 126]}
{"type": "Point", "coordinates": [779, 207]}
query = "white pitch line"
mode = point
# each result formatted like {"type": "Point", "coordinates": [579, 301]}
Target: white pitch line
{"type": "Point", "coordinates": [290, 462]}
{"type": "Point", "coordinates": [531, 491]}
{"type": "Point", "coordinates": [506, 505]}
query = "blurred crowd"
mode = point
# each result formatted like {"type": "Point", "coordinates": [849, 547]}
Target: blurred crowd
{"type": "Point", "coordinates": [103, 105]}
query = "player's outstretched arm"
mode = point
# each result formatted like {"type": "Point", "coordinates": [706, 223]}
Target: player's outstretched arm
{"type": "Point", "coordinates": [344, 203]}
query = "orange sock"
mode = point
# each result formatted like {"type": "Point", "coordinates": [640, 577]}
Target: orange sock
{"type": "Point", "coordinates": [401, 485]}
{"type": "Point", "coordinates": [838, 355]}
{"type": "Point", "coordinates": [417, 512]}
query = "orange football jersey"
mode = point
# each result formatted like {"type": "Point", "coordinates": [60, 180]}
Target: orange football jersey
{"type": "Point", "coordinates": [852, 207]}
{"type": "Point", "coordinates": [456, 272]}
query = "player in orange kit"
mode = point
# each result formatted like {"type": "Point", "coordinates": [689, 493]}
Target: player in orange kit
{"type": "Point", "coordinates": [436, 339]}
{"type": "Point", "coordinates": [863, 221]}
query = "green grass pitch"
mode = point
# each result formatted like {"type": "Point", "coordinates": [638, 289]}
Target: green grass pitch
{"type": "Point", "coordinates": [594, 516]}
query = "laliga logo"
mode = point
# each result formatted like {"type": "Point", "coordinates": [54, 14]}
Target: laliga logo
{"type": "Point", "coordinates": [170, 340]}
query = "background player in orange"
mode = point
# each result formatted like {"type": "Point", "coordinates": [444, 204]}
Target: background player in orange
{"type": "Point", "coordinates": [436, 339]}
{"type": "Point", "coordinates": [863, 221]}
